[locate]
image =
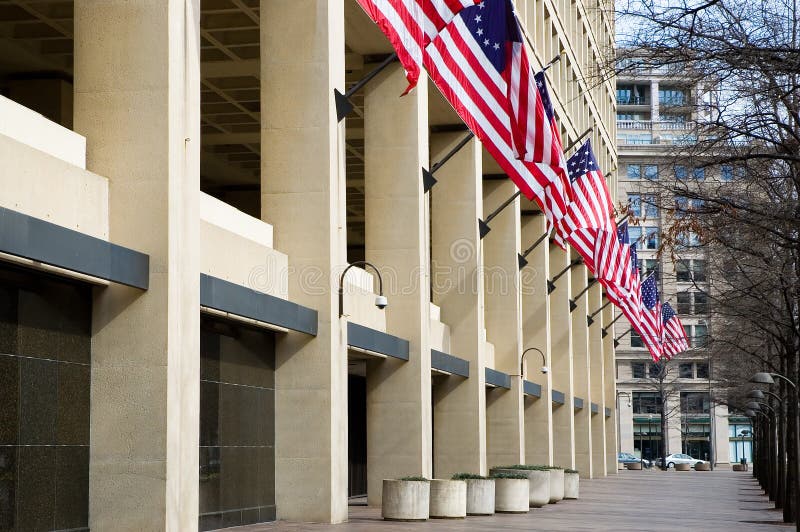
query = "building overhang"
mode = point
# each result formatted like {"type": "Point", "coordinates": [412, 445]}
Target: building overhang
{"type": "Point", "coordinates": [374, 341]}
{"type": "Point", "coordinates": [45, 243]}
{"type": "Point", "coordinates": [497, 379]}
{"type": "Point", "coordinates": [448, 364]}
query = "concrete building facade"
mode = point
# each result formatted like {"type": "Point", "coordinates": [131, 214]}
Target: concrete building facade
{"type": "Point", "coordinates": [184, 344]}
{"type": "Point", "coordinates": [656, 111]}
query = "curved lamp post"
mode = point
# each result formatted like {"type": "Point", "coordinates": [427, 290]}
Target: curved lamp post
{"type": "Point", "coordinates": [768, 378]}
{"type": "Point", "coordinates": [380, 300]}
{"type": "Point", "coordinates": [545, 369]}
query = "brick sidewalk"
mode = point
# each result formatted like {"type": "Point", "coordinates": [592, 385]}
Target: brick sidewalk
{"type": "Point", "coordinates": [633, 501]}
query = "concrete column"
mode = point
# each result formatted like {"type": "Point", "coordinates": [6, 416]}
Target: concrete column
{"type": "Point", "coordinates": [722, 448]}
{"type": "Point", "coordinates": [302, 196]}
{"type": "Point", "coordinates": [504, 411]}
{"type": "Point", "coordinates": [137, 101]}
{"type": "Point", "coordinates": [536, 325]}
{"type": "Point", "coordinates": [674, 420]}
{"type": "Point", "coordinates": [655, 104]}
{"type": "Point", "coordinates": [580, 369]}
{"type": "Point", "coordinates": [610, 390]}
{"type": "Point", "coordinates": [459, 405]}
{"type": "Point", "coordinates": [596, 381]}
{"type": "Point", "coordinates": [561, 361]}
{"type": "Point", "coordinates": [397, 242]}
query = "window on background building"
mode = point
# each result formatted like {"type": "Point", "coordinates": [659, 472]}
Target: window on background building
{"type": "Point", "coordinates": [634, 234]}
{"type": "Point", "coordinates": [699, 270]}
{"type": "Point", "coordinates": [683, 271]}
{"type": "Point", "coordinates": [684, 300]}
{"type": "Point", "coordinates": [637, 370]}
{"type": "Point", "coordinates": [687, 330]}
{"type": "Point", "coordinates": [634, 171]}
{"type": "Point", "coordinates": [636, 341]}
{"type": "Point", "coordinates": [673, 119]}
{"type": "Point", "coordinates": [688, 239]}
{"type": "Point", "coordinates": [685, 370]}
{"type": "Point", "coordinates": [650, 207]}
{"type": "Point", "coordinates": [646, 403]}
{"type": "Point", "coordinates": [654, 371]}
{"type": "Point", "coordinates": [702, 370]}
{"type": "Point", "coordinates": [695, 403]}
{"type": "Point", "coordinates": [647, 266]}
{"type": "Point", "coordinates": [726, 172]}
{"type": "Point", "coordinates": [699, 173]}
{"type": "Point", "coordinates": [651, 238]}
{"type": "Point", "coordinates": [700, 335]}
{"type": "Point", "coordinates": [635, 202]}
{"type": "Point", "coordinates": [651, 171]}
{"type": "Point", "coordinates": [671, 96]}
{"type": "Point", "coordinates": [700, 303]}
{"type": "Point", "coordinates": [680, 171]}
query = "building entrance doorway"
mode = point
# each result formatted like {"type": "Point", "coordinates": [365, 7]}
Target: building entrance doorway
{"type": "Point", "coordinates": [356, 430]}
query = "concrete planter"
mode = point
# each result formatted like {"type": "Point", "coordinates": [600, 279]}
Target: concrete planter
{"type": "Point", "coordinates": [448, 499]}
{"type": "Point", "coordinates": [633, 466]}
{"type": "Point", "coordinates": [703, 466]}
{"type": "Point", "coordinates": [405, 500]}
{"type": "Point", "coordinates": [683, 467]}
{"type": "Point", "coordinates": [556, 485]}
{"type": "Point", "coordinates": [538, 485]}
{"type": "Point", "coordinates": [571, 483]}
{"type": "Point", "coordinates": [739, 467]}
{"type": "Point", "coordinates": [511, 495]}
{"type": "Point", "coordinates": [480, 496]}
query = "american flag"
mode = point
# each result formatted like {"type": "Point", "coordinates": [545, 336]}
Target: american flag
{"type": "Point", "coordinates": [591, 208]}
{"type": "Point", "coordinates": [625, 289]}
{"type": "Point", "coordinates": [480, 64]}
{"type": "Point", "coordinates": [650, 325]}
{"type": "Point", "coordinates": [675, 340]}
{"type": "Point", "coordinates": [410, 25]}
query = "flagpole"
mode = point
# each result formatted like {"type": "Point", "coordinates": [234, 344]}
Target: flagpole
{"type": "Point", "coordinates": [343, 105]}
{"type": "Point", "coordinates": [604, 330]}
{"type": "Point", "coordinates": [484, 225]}
{"type": "Point", "coordinates": [618, 338]}
{"type": "Point", "coordinates": [551, 283]}
{"type": "Point", "coordinates": [576, 141]}
{"type": "Point", "coordinates": [521, 257]}
{"type": "Point", "coordinates": [427, 175]}
{"type": "Point", "coordinates": [573, 302]}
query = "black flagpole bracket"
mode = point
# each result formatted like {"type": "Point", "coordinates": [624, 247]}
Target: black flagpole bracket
{"type": "Point", "coordinates": [605, 329]}
{"type": "Point", "coordinates": [576, 141]}
{"type": "Point", "coordinates": [343, 105]}
{"type": "Point", "coordinates": [551, 284]}
{"type": "Point", "coordinates": [590, 317]}
{"type": "Point", "coordinates": [573, 303]}
{"type": "Point", "coordinates": [427, 175]}
{"type": "Point", "coordinates": [618, 338]}
{"type": "Point", "coordinates": [483, 226]}
{"type": "Point", "coordinates": [522, 257]}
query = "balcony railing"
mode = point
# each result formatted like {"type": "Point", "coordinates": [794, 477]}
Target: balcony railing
{"type": "Point", "coordinates": [633, 100]}
{"type": "Point", "coordinates": [659, 124]}
{"type": "Point", "coordinates": [634, 124]}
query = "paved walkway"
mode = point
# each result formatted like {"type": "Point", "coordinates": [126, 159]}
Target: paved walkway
{"type": "Point", "coordinates": [719, 500]}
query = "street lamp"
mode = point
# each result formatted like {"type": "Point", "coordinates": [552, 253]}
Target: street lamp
{"type": "Point", "coordinates": [768, 378]}
{"type": "Point", "coordinates": [380, 300]}
{"type": "Point", "coordinates": [544, 370]}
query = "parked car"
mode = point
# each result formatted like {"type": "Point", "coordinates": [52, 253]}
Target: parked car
{"type": "Point", "coordinates": [679, 458]}
{"type": "Point", "coordinates": [627, 458]}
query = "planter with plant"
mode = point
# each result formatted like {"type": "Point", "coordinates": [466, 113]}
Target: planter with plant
{"type": "Point", "coordinates": [406, 499]}
{"type": "Point", "coordinates": [702, 466]}
{"type": "Point", "coordinates": [683, 467]}
{"type": "Point", "coordinates": [510, 492]}
{"type": "Point", "coordinates": [538, 482]}
{"type": "Point", "coordinates": [571, 483]}
{"type": "Point", "coordinates": [480, 493]}
{"type": "Point", "coordinates": [448, 499]}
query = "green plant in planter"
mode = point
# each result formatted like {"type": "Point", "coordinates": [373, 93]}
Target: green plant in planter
{"type": "Point", "coordinates": [467, 476]}
{"type": "Point", "coordinates": [515, 476]}
{"type": "Point", "coordinates": [415, 479]}
{"type": "Point", "coordinates": [526, 467]}
{"type": "Point", "coordinates": [553, 467]}
{"type": "Point", "coordinates": [571, 471]}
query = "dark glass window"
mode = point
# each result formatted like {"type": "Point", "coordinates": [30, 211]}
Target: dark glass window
{"type": "Point", "coordinates": [680, 172]}
{"type": "Point", "coordinates": [654, 371]}
{"type": "Point", "coordinates": [636, 340]}
{"type": "Point", "coordinates": [726, 172]}
{"type": "Point", "coordinates": [637, 370]}
{"type": "Point", "coordinates": [700, 335]}
{"type": "Point", "coordinates": [699, 173]}
{"type": "Point", "coordinates": [650, 207]}
{"type": "Point", "coordinates": [685, 371]}
{"type": "Point", "coordinates": [237, 425]}
{"type": "Point", "coordinates": [651, 171]}
{"type": "Point", "coordinates": [684, 302]}
{"type": "Point", "coordinates": [634, 171]}
{"type": "Point", "coordinates": [700, 303]}
{"type": "Point", "coordinates": [45, 371]}
{"type": "Point", "coordinates": [702, 370]}
{"type": "Point", "coordinates": [683, 270]}
{"type": "Point", "coordinates": [695, 402]}
{"type": "Point", "coordinates": [646, 403]}
{"type": "Point", "coordinates": [699, 270]}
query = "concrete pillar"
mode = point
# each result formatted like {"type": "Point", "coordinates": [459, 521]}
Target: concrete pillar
{"type": "Point", "coordinates": [137, 101]}
{"type": "Point", "coordinates": [459, 405]}
{"type": "Point", "coordinates": [610, 390]}
{"type": "Point", "coordinates": [561, 360]}
{"type": "Point", "coordinates": [504, 412]}
{"type": "Point", "coordinates": [596, 381]}
{"type": "Point", "coordinates": [536, 333]}
{"type": "Point", "coordinates": [674, 420]}
{"type": "Point", "coordinates": [397, 242]}
{"type": "Point", "coordinates": [580, 369]}
{"type": "Point", "coordinates": [302, 196]}
{"type": "Point", "coordinates": [722, 448]}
